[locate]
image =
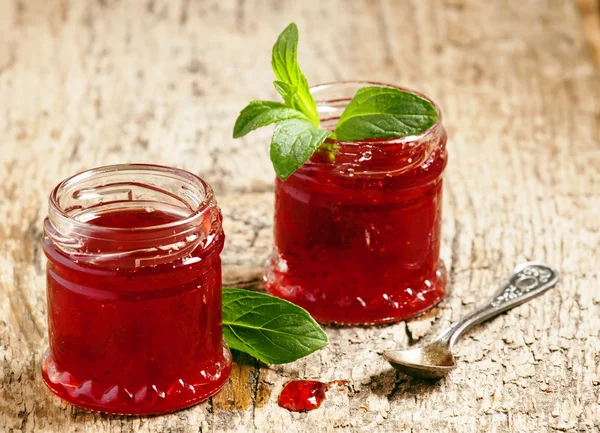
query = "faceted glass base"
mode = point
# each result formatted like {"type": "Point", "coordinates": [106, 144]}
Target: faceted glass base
{"type": "Point", "coordinates": [148, 399]}
{"type": "Point", "coordinates": [355, 305]}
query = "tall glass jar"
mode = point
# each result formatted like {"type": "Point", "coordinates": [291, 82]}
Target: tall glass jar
{"type": "Point", "coordinates": [357, 228]}
{"type": "Point", "coordinates": [134, 290]}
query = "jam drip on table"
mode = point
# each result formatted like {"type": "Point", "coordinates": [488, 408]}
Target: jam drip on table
{"type": "Point", "coordinates": [302, 395]}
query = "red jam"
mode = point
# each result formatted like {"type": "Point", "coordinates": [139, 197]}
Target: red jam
{"type": "Point", "coordinates": [134, 305]}
{"type": "Point", "coordinates": [302, 395]}
{"type": "Point", "coordinates": [357, 230]}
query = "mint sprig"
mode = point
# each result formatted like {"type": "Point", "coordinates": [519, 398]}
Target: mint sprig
{"type": "Point", "coordinates": [269, 328]}
{"type": "Point", "coordinates": [374, 112]}
{"type": "Point", "coordinates": [297, 134]}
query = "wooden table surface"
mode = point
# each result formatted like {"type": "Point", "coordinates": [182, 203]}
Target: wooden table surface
{"type": "Point", "coordinates": [87, 83]}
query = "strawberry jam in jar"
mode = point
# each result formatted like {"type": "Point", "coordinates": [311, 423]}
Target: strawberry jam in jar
{"type": "Point", "coordinates": [357, 227]}
{"type": "Point", "coordinates": [134, 290]}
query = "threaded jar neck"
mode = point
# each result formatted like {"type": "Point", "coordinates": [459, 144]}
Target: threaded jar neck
{"type": "Point", "coordinates": [194, 218]}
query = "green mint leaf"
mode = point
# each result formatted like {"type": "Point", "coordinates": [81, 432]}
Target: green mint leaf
{"type": "Point", "coordinates": [268, 328]}
{"type": "Point", "coordinates": [286, 69]}
{"type": "Point", "coordinates": [293, 142]}
{"type": "Point", "coordinates": [262, 113]}
{"type": "Point", "coordinates": [385, 112]}
{"type": "Point", "coordinates": [296, 135]}
{"type": "Point", "coordinates": [288, 92]}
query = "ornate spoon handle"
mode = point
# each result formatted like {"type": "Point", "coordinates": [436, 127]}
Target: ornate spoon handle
{"type": "Point", "coordinates": [529, 280]}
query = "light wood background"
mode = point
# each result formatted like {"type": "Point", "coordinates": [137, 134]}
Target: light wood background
{"type": "Point", "coordinates": [86, 83]}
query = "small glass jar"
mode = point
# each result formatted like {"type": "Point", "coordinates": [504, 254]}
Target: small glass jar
{"type": "Point", "coordinates": [134, 290]}
{"type": "Point", "coordinates": [357, 228]}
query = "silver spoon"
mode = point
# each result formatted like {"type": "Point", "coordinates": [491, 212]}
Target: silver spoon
{"type": "Point", "coordinates": [435, 360]}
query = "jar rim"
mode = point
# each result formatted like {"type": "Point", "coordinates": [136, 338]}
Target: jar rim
{"type": "Point", "coordinates": [56, 210]}
{"type": "Point", "coordinates": [75, 203]}
{"type": "Point", "coordinates": [373, 141]}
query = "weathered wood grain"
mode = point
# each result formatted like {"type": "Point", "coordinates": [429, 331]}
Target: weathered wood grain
{"type": "Point", "coordinates": [87, 83]}
{"type": "Point", "coordinates": [590, 17]}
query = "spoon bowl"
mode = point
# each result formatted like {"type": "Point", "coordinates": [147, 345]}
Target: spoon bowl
{"type": "Point", "coordinates": [436, 360]}
{"type": "Point", "coordinates": [432, 361]}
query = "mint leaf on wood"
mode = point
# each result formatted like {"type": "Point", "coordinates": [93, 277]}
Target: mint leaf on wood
{"type": "Point", "coordinates": [268, 328]}
{"type": "Point", "coordinates": [293, 142]}
{"type": "Point", "coordinates": [286, 70]}
{"type": "Point", "coordinates": [262, 113]}
{"type": "Point", "coordinates": [385, 112]}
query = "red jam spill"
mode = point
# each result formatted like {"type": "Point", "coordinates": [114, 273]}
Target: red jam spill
{"type": "Point", "coordinates": [135, 340]}
{"type": "Point", "coordinates": [360, 249]}
{"type": "Point", "coordinates": [302, 395]}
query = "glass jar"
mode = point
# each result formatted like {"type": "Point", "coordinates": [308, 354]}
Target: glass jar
{"type": "Point", "coordinates": [357, 228]}
{"type": "Point", "coordinates": [134, 290]}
